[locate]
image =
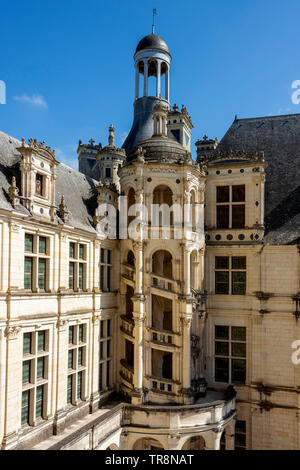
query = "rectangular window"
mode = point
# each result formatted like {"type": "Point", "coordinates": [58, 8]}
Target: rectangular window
{"type": "Point", "coordinates": [230, 354]}
{"type": "Point", "coordinates": [231, 206]}
{"type": "Point", "coordinates": [35, 261]}
{"type": "Point", "coordinates": [105, 350]}
{"type": "Point", "coordinates": [28, 274]}
{"type": "Point", "coordinates": [34, 370]}
{"type": "Point", "coordinates": [230, 275]}
{"type": "Point", "coordinates": [77, 270]}
{"type": "Point", "coordinates": [39, 185]}
{"type": "Point", "coordinates": [72, 250]}
{"type": "Point", "coordinates": [76, 362]}
{"type": "Point", "coordinates": [81, 251]}
{"type": "Point", "coordinates": [105, 270]}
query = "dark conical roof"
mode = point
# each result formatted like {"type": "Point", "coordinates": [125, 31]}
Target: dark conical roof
{"type": "Point", "coordinates": [152, 41]}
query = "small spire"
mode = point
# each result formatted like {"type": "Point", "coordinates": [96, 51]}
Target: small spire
{"type": "Point", "coordinates": [111, 138]}
{"type": "Point", "coordinates": [153, 25]}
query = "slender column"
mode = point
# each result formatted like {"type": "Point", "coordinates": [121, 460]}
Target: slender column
{"type": "Point", "coordinates": [216, 438]}
{"type": "Point", "coordinates": [187, 266]}
{"type": "Point", "coordinates": [186, 353]}
{"type": "Point", "coordinates": [158, 78]}
{"type": "Point", "coordinates": [167, 83]}
{"type": "Point", "coordinates": [145, 78]}
{"type": "Point", "coordinates": [137, 82]}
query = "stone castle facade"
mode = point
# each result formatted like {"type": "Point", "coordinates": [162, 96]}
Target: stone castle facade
{"type": "Point", "coordinates": [161, 342]}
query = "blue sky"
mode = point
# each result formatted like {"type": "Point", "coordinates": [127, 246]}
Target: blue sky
{"type": "Point", "coordinates": [68, 64]}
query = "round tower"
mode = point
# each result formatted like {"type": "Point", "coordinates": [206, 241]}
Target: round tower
{"type": "Point", "coordinates": [110, 159]}
{"type": "Point", "coordinates": [151, 60]}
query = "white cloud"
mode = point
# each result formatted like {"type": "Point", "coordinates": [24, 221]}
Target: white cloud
{"type": "Point", "coordinates": [34, 100]}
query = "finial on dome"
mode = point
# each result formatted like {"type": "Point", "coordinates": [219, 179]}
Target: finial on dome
{"type": "Point", "coordinates": [153, 25]}
{"type": "Point", "coordinates": [111, 138]}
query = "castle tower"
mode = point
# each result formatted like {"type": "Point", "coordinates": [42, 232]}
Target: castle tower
{"type": "Point", "coordinates": [152, 83]}
{"type": "Point", "coordinates": [110, 159]}
{"type": "Point", "coordinates": [162, 273]}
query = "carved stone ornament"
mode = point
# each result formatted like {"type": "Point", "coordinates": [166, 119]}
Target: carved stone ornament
{"type": "Point", "coordinates": [13, 193]}
{"type": "Point", "coordinates": [63, 210]}
{"type": "Point", "coordinates": [11, 332]}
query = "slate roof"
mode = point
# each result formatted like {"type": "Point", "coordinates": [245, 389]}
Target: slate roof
{"type": "Point", "coordinates": [79, 190]}
{"type": "Point", "coordinates": [279, 138]}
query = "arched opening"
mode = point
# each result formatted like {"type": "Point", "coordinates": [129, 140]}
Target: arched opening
{"type": "Point", "coordinates": [162, 194]}
{"type": "Point", "coordinates": [112, 447]}
{"type": "Point", "coordinates": [193, 270]}
{"type": "Point", "coordinates": [163, 91]}
{"type": "Point", "coordinates": [162, 264]}
{"type": "Point", "coordinates": [129, 303]}
{"type": "Point", "coordinates": [161, 314]}
{"type": "Point", "coordinates": [162, 364]}
{"type": "Point", "coordinates": [194, 443]}
{"type": "Point", "coordinates": [163, 200]}
{"type": "Point", "coordinates": [130, 202]}
{"type": "Point", "coordinates": [152, 77]}
{"type": "Point", "coordinates": [193, 210]}
{"type": "Point", "coordinates": [147, 444]}
{"type": "Point", "coordinates": [130, 258]}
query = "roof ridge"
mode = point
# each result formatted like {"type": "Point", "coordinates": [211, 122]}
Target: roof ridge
{"type": "Point", "coordinates": [277, 116]}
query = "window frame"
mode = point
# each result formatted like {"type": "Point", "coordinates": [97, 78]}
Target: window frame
{"type": "Point", "coordinates": [230, 356]}
{"type": "Point", "coordinates": [230, 272]}
{"type": "Point", "coordinates": [78, 369]}
{"type": "Point", "coordinates": [37, 258]}
{"type": "Point", "coordinates": [77, 282]}
{"type": "Point", "coordinates": [231, 203]}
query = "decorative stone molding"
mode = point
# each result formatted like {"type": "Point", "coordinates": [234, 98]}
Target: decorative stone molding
{"type": "Point", "coordinates": [61, 324]}
{"type": "Point", "coordinates": [13, 193]}
{"type": "Point", "coordinates": [12, 332]}
{"type": "Point", "coordinates": [63, 210]}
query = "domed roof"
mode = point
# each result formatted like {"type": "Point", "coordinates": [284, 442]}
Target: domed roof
{"type": "Point", "coordinates": [162, 150]}
{"type": "Point", "coordinates": [152, 41]}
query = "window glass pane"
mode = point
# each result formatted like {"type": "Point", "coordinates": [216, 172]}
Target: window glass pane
{"type": "Point", "coordinates": [238, 262]}
{"type": "Point", "coordinates": [222, 348]}
{"type": "Point", "coordinates": [238, 370]}
{"type": "Point", "coordinates": [108, 374]}
{"type": "Point", "coordinates": [108, 256]}
{"type": "Point", "coordinates": [222, 216]}
{"type": "Point", "coordinates": [26, 372]}
{"type": "Point", "coordinates": [28, 274]}
{"type": "Point", "coordinates": [70, 359]}
{"type": "Point", "coordinates": [40, 367]}
{"type": "Point", "coordinates": [71, 335]}
{"type": "Point", "coordinates": [102, 277]}
{"type": "Point", "coordinates": [238, 333]}
{"type": "Point", "coordinates": [221, 332]}
{"type": "Point", "coordinates": [41, 340]}
{"type": "Point", "coordinates": [39, 401]}
{"type": "Point", "coordinates": [42, 245]}
{"type": "Point", "coordinates": [238, 283]}
{"type": "Point", "coordinates": [222, 262]}
{"type": "Point", "coordinates": [81, 251]}
{"type": "Point", "coordinates": [102, 255]}
{"type": "Point", "coordinates": [80, 356]}
{"type": "Point", "coordinates": [102, 329]}
{"type": "Point", "coordinates": [72, 250]}
{"type": "Point", "coordinates": [71, 276]}
{"type": "Point", "coordinates": [25, 407]}
{"type": "Point", "coordinates": [222, 282]}
{"type": "Point", "coordinates": [100, 377]}
{"type": "Point", "coordinates": [222, 193]}
{"type": "Point", "coordinates": [28, 243]}
{"type": "Point", "coordinates": [238, 216]}
{"type": "Point", "coordinates": [108, 349]}
{"type": "Point", "coordinates": [69, 389]}
{"type": "Point", "coordinates": [238, 349]}
{"type": "Point", "coordinates": [80, 276]}
{"type": "Point", "coordinates": [27, 343]}
{"type": "Point", "coordinates": [108, 277]}
{"type": "Point", "coordinates": [81, 331]}
{"type": "Point", "coordinates": [101, 350]}
{"type": "Point", "coordinates": [79, 385]}
{"type": "Point", "coordinates": [42, 274]}
{"type": "Point", "coordinates": [238, 193]}
{"type": "Point", "coordinates": [221, 369]}
{"type": "Point", "coordinates": [108, 327]}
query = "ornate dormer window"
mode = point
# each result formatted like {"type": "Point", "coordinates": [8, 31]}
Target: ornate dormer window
{"type": "Point", "coordinates": [38, 178]}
